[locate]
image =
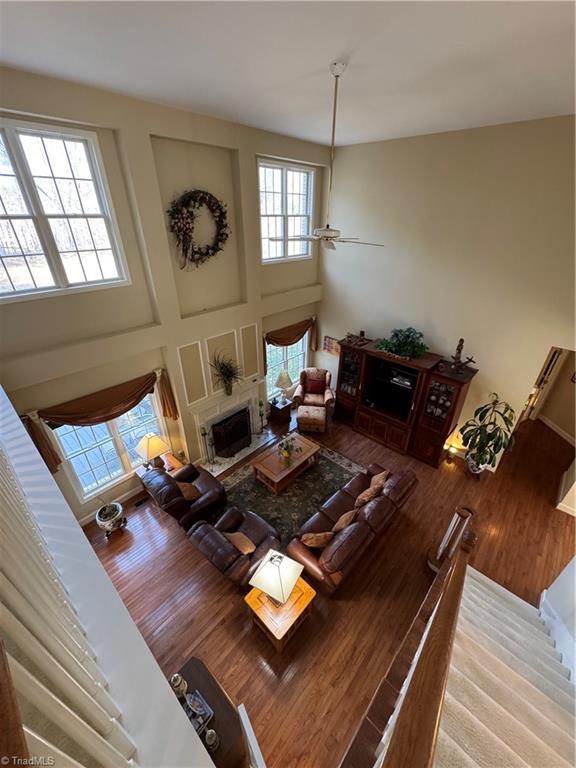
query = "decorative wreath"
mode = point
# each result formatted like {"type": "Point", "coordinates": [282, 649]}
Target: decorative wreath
{"type": "Point", "coordinates": [182, 214]}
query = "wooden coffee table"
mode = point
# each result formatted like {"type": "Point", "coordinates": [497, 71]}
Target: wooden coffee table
{"type": "Point", "coordinates": [272, 470]}
{"type": "Point", "coordinates": [279, 622]}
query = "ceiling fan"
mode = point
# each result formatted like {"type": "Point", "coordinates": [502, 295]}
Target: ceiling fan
{"type": "Point", "coordinates": [328, 236]}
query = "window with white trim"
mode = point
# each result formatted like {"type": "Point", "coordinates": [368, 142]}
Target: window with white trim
{"type": "Point", "coordinates": [292, 359]}
{"type": "Point", "coordinates": [97, 456]}
{"type": "Point", "coordinates": [57, 230]}
{"type": "Point", "coordinates": [286, 201]}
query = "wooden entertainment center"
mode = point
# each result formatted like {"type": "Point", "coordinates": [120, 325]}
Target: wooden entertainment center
{"type": "Point", "coordinates": [411, 405]}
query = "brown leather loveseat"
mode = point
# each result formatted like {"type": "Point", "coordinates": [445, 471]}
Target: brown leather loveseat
{"type": "Point", "coordinates": [163, 487]}
{"type": "Point", "coordinates": [236, 565]}
{"type": "Point", "coordinates": [330, 565]}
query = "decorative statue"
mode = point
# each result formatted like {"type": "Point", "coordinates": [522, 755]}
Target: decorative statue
{"type": "Point", "coordinates": [460, 365]}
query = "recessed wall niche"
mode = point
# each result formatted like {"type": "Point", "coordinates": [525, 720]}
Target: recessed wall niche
{"type": "Point", "coordinates": [185, 165]}
{"type": "Point", "coordinates": [249, 342]}
{"type": "Point", "coordinates": [223, 344]}
{"type": "Point", "coordinates": [193, 375]}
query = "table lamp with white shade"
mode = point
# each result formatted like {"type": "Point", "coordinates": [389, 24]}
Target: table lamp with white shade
{"type": "Point", "coordinates": [276, 575]}
{"type": "Point", "coordinates": [150, 448]}
{"type": "Point", "coordinates": [283, 382]}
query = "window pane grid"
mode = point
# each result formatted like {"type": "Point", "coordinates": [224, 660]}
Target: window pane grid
{"type": "Point", "coordinates": [291, 359]}
{"type": "Point", "coordinates": [102, 453]}
{"type": "Point", "coordinates": [22, 260]}
{"type": "Point", "coordinates": [285, 210]}
{"type": "Point", "coordinates": [48, 179]}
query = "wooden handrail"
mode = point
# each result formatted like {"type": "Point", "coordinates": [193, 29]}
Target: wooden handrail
{"type": "Point", "coordinates": [362, 751]}
{"type": "Point", "coordinates": [452, 538]}
{"type": "Point", "coordinates": [413, 740]}
{"type": "Point", "coordinates": [12, 739]}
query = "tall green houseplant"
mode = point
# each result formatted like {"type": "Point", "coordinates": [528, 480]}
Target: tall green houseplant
{"type": "Point", "coordinates": [488, 433]}
{"type": "Point", "coordinates": [226, 371]}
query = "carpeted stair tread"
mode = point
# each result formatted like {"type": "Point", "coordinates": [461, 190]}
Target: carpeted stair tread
{"type": "Point", "coordinates": [502, 723]}
{"type": "Point", "coordinates": [546, 666]}
{"type": "Point", "coordinates": [530, 640]}
{"type": "Point", "coordinates": [508, 689]}
{"type": "Point", "coordinates": [451, 755]}
{"type": "Point", "coordinates": [505, 600]}
{"type": "Point", "coordinates": [495, 608]}
{"type": "Point", "coordinates": [483, 582]}
{"type": "Point", "coordinates": [531, 616]}
{"type": "Point", "coordinates": [509, 701]}
{"type": "Point", "coordinates": [515, 680]}
{"type": "Point", "coordinates": [525, 670]}
{"type": "Point", "coordinates": [472, 736]}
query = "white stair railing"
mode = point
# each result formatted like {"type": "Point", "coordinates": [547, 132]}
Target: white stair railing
{"type": "Point", "coordinates": [54, 664]}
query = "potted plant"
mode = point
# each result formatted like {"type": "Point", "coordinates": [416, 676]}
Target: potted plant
{"type": "Point", "coordinates": [487, 434]}
{"type": "Point", "coordinates": [405, 343]}
{"type": "Point", "coordinates": [287, 447]}
{"type": "Point", "coordinates": [226, 371]}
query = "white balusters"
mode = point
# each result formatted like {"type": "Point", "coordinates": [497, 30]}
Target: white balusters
{"type": "Point", "coordinates": [67, 720]}
{"type": "Point", "coordinates": [50, 582]}
{"type": "Point", "coordinates": [39, 746]}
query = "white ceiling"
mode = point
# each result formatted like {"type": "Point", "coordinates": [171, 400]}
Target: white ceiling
{"type": "Point", "coordinates": [414, 67]}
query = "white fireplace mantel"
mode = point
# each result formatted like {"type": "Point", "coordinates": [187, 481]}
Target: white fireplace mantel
{"type": "Point", "coordinates": [220, 406]}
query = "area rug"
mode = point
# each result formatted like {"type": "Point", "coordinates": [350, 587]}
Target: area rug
{"type": "Point", "coordinates": [299, 500]}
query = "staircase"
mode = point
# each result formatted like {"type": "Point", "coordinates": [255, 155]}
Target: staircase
{"type": "Point", "coordinates": [509, 701]}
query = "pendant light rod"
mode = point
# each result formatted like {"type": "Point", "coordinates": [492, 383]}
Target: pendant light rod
{"type": "Point", "coordinates": [336, 68]}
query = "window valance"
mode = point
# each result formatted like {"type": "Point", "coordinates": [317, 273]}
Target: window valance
{"type": "Point", "coordinates": [96, 408]}
{"type": "Point", "coordinates": [284, 337]}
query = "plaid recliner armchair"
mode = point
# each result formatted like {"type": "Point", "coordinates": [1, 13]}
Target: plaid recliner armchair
{"type": "Point", "coordinates": [314, 388]}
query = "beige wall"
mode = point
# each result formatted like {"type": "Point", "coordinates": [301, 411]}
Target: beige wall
{"type": "Point", "coordinates": [64, 346]}
{"type": "Point", "coordinates": [559, 407]}
{"type": "Point", "coordinates": [478, 228]}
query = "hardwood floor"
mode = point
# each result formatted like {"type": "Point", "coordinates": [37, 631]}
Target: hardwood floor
{"type": "Point", "coordinates": [306, 702]}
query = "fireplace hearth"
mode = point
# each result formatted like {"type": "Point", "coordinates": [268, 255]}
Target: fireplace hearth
{"type": "Point", "coordinates": [232, 434]}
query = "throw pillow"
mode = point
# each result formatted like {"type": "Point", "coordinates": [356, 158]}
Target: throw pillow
{"type": "Point", "coordinates": [344, 520]}
{"type": "Point", "coordinates": [379, 480]}
{"type": "Point", "coordinates": [241, 542]}
{"type": "Point", "coordinates": [315, 386]}
{"type": "Point", "coordinates": [189, 491]}
{"type": "Point", "coordinates": [317, 539]}
{"type": "Point", "coordinates": [366, 496]}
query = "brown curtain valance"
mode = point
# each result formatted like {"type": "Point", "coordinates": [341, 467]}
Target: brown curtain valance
{"type": "Point", "coordinates": [96, 408]}
{"type": "Point", "coordinates": [37, 433]}
{"type": "Point", "coordinates": [105, 405]}
{"type": "Point", "coordinates": [284, 337]}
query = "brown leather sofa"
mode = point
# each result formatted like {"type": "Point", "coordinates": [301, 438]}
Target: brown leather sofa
{"type": "Point", "coordinates": [210, 540]}
{"type": "Point", "coordinates": [164, 490]}
{"type": "Point", "coordinates": [331, 565]}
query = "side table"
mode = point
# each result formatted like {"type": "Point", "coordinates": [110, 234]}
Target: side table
{"type": "Point", "coordinates": [280, 412]}
{"type": "Point", "coordinates": [231, 752]}
{"type": "Point", "coordinates": [279, 622]}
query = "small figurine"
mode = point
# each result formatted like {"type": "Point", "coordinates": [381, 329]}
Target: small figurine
{"type": "Point", "coordinates": [212, 740]}
{"type": "Point", "coordinates": [460, 365]}
{"type": "Point", "coordinates": [179, 685]}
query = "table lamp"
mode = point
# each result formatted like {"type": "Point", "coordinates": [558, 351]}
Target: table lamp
{"type": "Point", "coordinates": [151, 448]}
{"type": "Point", "coordinates": [283, 382]}
{"type": "Point", "coordinates": [276, 576]}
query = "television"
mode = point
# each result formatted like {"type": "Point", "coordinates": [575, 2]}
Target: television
{"type": "Point", "coordinates": [389, 388]}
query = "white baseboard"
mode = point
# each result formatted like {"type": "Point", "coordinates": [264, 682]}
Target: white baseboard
{"type": "Point", "coordinates": [555, 428]}
{"type": "Point", "coordinates": [559, 632]}
{"type": "Point", "coordinates": [92, 515]}
{"type": "Point", "coordinates": [566, 508]}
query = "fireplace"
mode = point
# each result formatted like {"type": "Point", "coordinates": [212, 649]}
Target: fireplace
{"type": "Point", "coordinates": [232, 433]}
